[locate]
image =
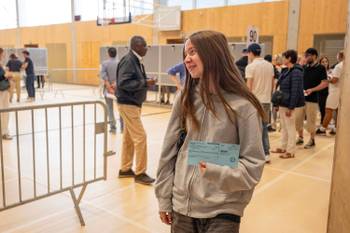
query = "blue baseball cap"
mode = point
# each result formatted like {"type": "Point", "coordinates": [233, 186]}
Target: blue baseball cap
{"type": "Point", "coordinates": [254, 48]}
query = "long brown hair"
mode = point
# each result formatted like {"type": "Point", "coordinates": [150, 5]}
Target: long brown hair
{"type": "Point", "coordinates": [320, 61]}
{"type": "Point", "coordinates": [218, 64]}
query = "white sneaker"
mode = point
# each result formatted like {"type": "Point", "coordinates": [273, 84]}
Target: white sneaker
{"type": "Point", "coordinates": [267, 159]}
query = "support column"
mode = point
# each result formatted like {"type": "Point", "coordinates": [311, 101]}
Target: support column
{"type": "Point", "coordinates": [73, 43]}
{"type": "Point", "coordinates": [293, 24]}
{"type": "Point", "coordinates": [18, 30]}
{"type": "Point", "coordinates": [339, 206]}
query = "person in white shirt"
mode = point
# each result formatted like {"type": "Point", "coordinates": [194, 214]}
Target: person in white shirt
{"type": "Point", "coordinates": [260, 81]}
{"type": "Point", "coordinates": [334, 94]}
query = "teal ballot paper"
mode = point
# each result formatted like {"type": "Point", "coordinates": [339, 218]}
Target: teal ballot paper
{"type": "Point", "coordinates": [216, 153]}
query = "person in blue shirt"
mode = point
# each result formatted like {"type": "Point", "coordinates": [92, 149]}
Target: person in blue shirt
{"type": "Point", "coordinates": [178, 69]}
{"type": "Point", "coordinates": [180, 82]}
{"type": "Point", "coordinates": [30, 75]}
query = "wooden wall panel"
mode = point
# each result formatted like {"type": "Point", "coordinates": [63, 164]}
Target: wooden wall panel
{"type": "Point", "coordinates": [317, 17]}
{"type": "Point", "coordinates": [321, 17]}
{"type": "Point", "coordinates": [89, 39]}
{"type": "Point", "coordinates": [7, 37]}
{"type": "Point", "coordinates": [271, 19]}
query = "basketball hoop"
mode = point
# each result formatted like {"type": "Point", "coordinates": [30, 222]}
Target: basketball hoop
{"type": "Point", "coordinates": [113, 20]}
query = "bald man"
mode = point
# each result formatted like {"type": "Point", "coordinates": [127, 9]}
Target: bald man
{"type": "Point", "coordinates": [132, 84]}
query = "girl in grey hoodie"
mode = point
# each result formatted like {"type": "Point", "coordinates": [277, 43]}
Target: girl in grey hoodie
{"type": "Point", "coordinates": [217, 107]}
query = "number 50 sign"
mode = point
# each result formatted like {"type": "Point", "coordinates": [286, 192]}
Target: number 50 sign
{"type": "Point", "coordinates": [252, 35]}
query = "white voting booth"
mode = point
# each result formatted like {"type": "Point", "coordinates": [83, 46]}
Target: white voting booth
{"type": "Point", "coordinates": [160, 58]}
{"type": "Point", "coordinates": [38, 56]}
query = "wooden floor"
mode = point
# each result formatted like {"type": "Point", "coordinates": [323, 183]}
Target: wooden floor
{"type": "Point", "coordinates": [292, 196]}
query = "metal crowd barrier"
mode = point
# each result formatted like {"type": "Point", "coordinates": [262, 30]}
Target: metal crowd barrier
{"type": "Point", "coordinates": [87, 175]}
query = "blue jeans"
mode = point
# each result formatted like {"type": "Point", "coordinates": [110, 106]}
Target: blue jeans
{"type": "Point", "coordinates": [265, 133]}
{"type": "Point", "coordinates": [111, 117]}
{"type": "Point", "coordinates": [30, 85]}
{"type": "Point", "coordinates": [265, 139]}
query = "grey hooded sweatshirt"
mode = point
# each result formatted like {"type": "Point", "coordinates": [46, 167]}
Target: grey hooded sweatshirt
{"type": "Point", "coordinates": [220, 190]}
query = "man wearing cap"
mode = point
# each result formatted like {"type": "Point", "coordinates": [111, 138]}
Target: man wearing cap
{"type": "Point", "coordinates": [260, 81]}
{"type": "Point", "coordinates": [315, 79]}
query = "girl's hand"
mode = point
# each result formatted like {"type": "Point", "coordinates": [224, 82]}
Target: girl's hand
{"type": "Point", "coordinates": [202, 167]}
{"type": "Point", "coordinates": [166, 217]}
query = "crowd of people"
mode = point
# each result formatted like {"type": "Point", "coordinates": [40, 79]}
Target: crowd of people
{"type": "Point", "coordinates": [10, 80]}
{"type": "Point", "coordinates": [309, 87]}
{"type": "Point", "coordinates": [219, 101]}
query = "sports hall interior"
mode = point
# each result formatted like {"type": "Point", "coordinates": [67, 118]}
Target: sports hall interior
{"type": "Point", "coordinates": [307, 194]}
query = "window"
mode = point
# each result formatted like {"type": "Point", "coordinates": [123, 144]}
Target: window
{"type": "Point", "coordinates": [241, 2]}
{"type": "Point", "coordinates": [185, 4]}
{"type": "Point", "coordinates": [210, 3]}
{"type": "Point", "coordinates": [329, 45]}
{"type": "Point", "coordinates": [121, 8]}
{"type": "Point", "coordinates": [87, 9]}
{"type": "Point", "coordinates": [44, 12]}
{"type": "Point", "coordinates": [141, 7]}
{"type": "Point", "coordinates": [8, 14]}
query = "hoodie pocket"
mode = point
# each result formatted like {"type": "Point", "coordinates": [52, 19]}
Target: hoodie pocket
{"type": "Point", "coordinates": [211, 192]}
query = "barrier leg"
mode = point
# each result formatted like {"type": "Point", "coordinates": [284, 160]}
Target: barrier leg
{"type": "Point", "coordinates": [76, 203]}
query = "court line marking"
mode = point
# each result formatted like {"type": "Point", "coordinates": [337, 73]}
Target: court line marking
{"type": "Point", "coordinates": [299, 174]}
{"type": "Point", "coordinates": [290, 171]}
{"type": "Point", "coordinates": [83, 202]}
{"type": "Point", "coordinates": [286, 173]}
{"type": "Point", "coordinates": [38, 220]}
{"type": "Point", "coordinates": [121, 217]}
{"type": "Point", "coordinates": [134, 223]}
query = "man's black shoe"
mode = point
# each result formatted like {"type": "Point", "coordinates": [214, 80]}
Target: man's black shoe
{"type": "Point", "coordinates": [321, 132]}
{"type": "Point", "coordinates": [126, 174]}
{"type": "Point", "coordinates": [143, 178]}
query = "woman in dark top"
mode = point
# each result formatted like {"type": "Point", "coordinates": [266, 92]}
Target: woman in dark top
{"type": "Point", "coordinates": [292, 86]}
{"type": "Point", "coordinates": [4, 99]}
{"type": "Point", "coordinates": [14, 65]}
{"type": "Point", "coordinates": [322, 95]}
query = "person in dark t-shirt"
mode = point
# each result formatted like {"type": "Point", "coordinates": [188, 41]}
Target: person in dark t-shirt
{"type": "Point", "coordinates": [14, 66]}
{"type": "Point", "coordinates": [315, 79]}
{"type": "Point", "coordinates": [30, 75]}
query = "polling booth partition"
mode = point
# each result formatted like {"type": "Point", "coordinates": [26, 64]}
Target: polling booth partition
{"type": "Point", "coordinates": [38, 56]}
{"type": "Point", "coordinates": [160, 58]}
